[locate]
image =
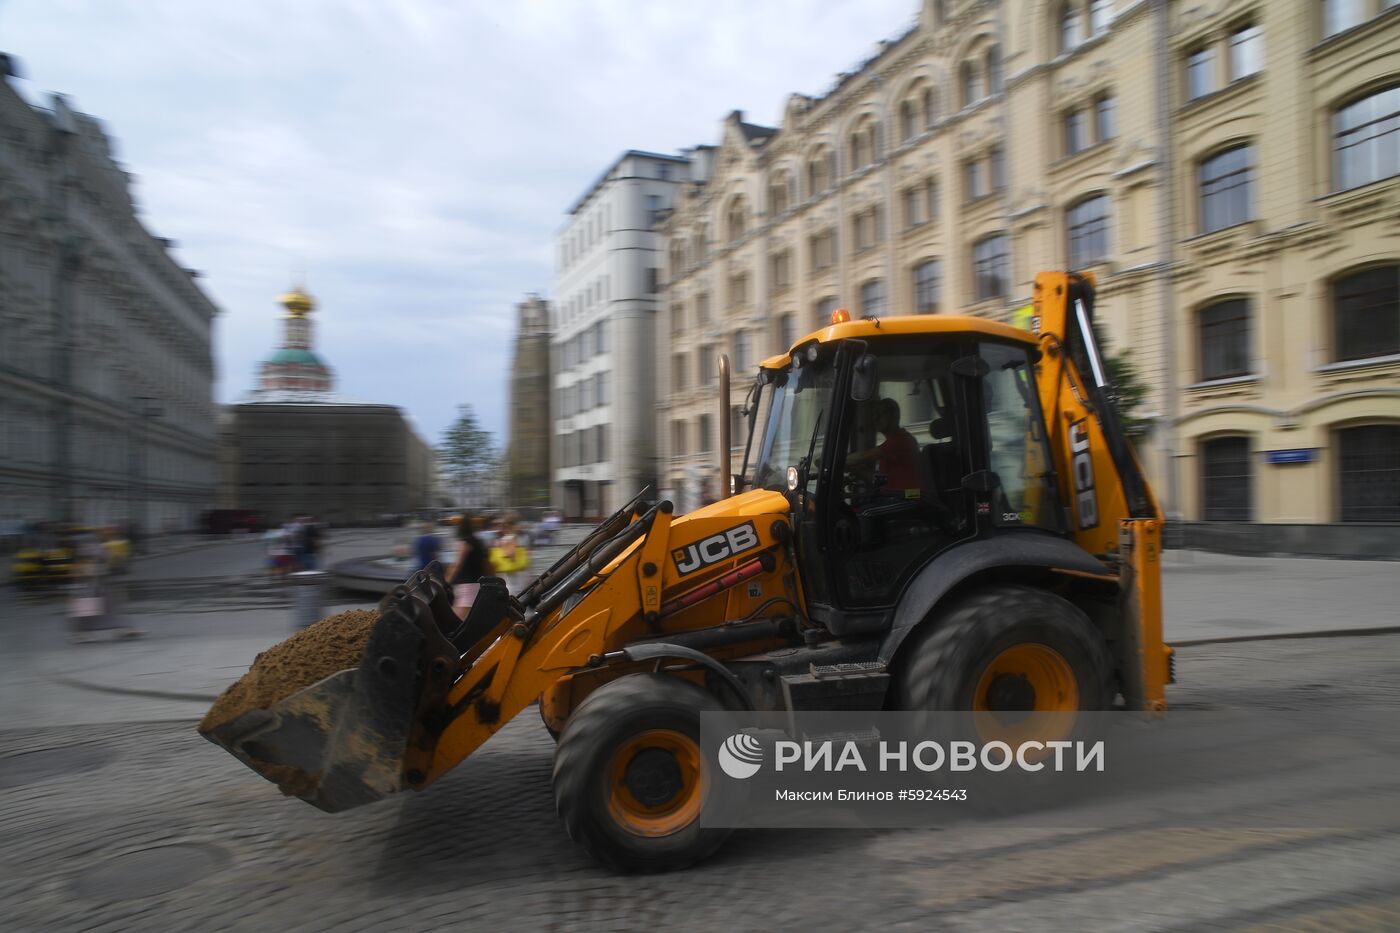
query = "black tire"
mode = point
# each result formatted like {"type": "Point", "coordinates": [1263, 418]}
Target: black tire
{"type": "Point", "coordinates": [553, 732]}
{"type": "Point", "coordinates": [942, 669]}
{"type": "Point", "coordinates": [601, 728]}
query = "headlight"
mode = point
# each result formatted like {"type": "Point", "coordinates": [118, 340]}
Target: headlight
{"type": "Point", "coordinates": [792, 478]}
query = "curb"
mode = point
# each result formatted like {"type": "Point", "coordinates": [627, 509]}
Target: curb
{"type": "Point", "coordinates": [1286, 636]}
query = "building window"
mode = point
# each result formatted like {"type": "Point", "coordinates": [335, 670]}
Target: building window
{"type": "Point", "coordinates": [926, 287]}
{"type": "Point", "coordinates": [1076, 138]}
{"type": "Point", "coordinates": [653, 280]}
{"type": "Point", "coordinates": [908, 120]}
{"type": "Point", "coordinates": [997, 161]}
{"type": "Point", "coordinates": [678, 445]}
{"type": "Point", "coordinates": [1069, 27]}
{"type": "Point", "coordinates": [825, 309]}
{"type": "Point", "coordinates": [780, 272]}
{"type": "Point", "coordinates": [1227, 480]}
{"type": "Point", "coordinates": [1246, 54]}
{"type": "Point", "coordinates": [1226, 179]}
{"type": "Point", "coordinates": [738, 220]}
{"type": "Point", "coordinates": [702, 310]}
{"type": "Point", "coordinates": [868, 228]}
{"type": "Point", "coordinates": [741, 351]}
{"type": "Point", "coordinates": [914, 204]}
{"type": "Point", "coordinates": [1200, 72]}
{"type": "Point", "coordinates": [1088, 232]}
{"type": "Point", "coordinates": [678, 372]}
{"type": "Point", "coordinates": [820, 172]}
{"type": "Point", "coordinates": [1366, 313]}
{"type": "Point", "coordinates": [677, 318]}
{"type": "Point", "coordinates": [1366, 139]}
{"type": "Point", "coordinates": [1104, 124]}
{"type": "Point", "coordinates": [935, 202]}
{"type": "Point", "coordinates": [930, 108]}
{"type": "Point", "coordinates": [787, 330]}
{"type": "Point", "coordinates": [778, 194]}
{"type": "Point", "coordinates": [1368, 473]}
{"type": "Point", "coordinates": [970, 82]}
{"type": "Point", "coordinates": [865, 145]}
{"type": "Point", "coordinates": [739, 290]}
{"type": "Point", "coordinates": [1100, 15]}
{"type": "Point", "coordinates": [654, 209]}
{"type": "Point", "coordinates": [706, 441]}
{"type": "Point", "coordinates": [823, 249]}
{"type": "Point", "coordinates": [705, 366]}
{"type": "Point", "coordinates": [975, 179]}
{"type": "Point", "coordinates": [991, 267]}
{"type": "Point", "coordinates": [994, 82]}
{"type": "Point", "coordinates": [1341, 15]}
{"type": "Point", "coordinates": [872, 298]}
{"type": "Point", "coordinates": [1224, 340]}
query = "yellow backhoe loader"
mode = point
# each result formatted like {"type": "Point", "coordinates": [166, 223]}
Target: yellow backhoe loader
{"type": "Point", "coordinates": [934, 512]}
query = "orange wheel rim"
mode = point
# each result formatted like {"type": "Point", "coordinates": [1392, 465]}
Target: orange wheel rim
{"type": "Point", "coordinates": [656, 787]}
{"type": "Point", "coordinates": [1026, 693]}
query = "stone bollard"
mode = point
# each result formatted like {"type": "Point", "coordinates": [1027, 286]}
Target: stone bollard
{"type": "Point", "coordinates": [308, 596]}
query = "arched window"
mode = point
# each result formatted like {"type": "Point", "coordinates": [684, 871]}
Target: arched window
{"type": "Point", "coordinates": [994, 70]}
{"type": "Point", "coordinates": [1227, 479]}
{"type": "Point", "coordinates": [1100, 15]}
{"type": "Point", "coordinates": [1366, 139]}
{"type": "Point", "coordinates": [737, 220]}
{"type": "Point", "coordinates": [819, 172]}
{"type": "Point", "coordinates": [1227, 183]}
{"type": "Point", "coordinates": [865, 144]}
{"type": "Point", "coordinates": [1366, 313]}
{"type": "Point", "coordinates": [1368, 473]}
{"type": "Point", "coordinates": [930, 100]}
{"type": "Point", "coordinates": [872, 298]}
{"type": "Point", "coordinates": [702, 243]}
{"type": "Point", "coordinates": [991, 267]}
{"type": "Point", "coordinates": [971, 83]}
{"type": "Point", "coordinates": [1087, 222]}
{"type": "Point", "coordinates": [908, 120]}
{"type": "Point", "coordinates": [778, 188]}
{"type": "Point", "coordinates": [1069, 27]}
{"type": "Point", "coordinates": [1224, 343]}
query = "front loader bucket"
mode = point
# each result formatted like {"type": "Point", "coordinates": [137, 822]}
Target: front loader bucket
{"type": "Point", "coordinates": [338, 738]}
{"type": "Point", "coordinates": [339, 743]}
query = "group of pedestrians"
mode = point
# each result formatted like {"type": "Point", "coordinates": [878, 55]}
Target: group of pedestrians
{"type": "Point", "coordinates": [498, 551]}
{"type": "Point", "coordinates": [95, 601]}
{"type": "Point", "coordinates": [295, 545]}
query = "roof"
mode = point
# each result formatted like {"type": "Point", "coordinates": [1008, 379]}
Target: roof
{"type": "Point", "coordinates": [598, 182]}
{"type": "Point", "coordinates": [755, 133]}
{"type": "Point", "coordinates": [304, 397]}
{"type": "Point", "coordinates": [909, 326]}
{"type": "Point", "coordinates": [293, 355]}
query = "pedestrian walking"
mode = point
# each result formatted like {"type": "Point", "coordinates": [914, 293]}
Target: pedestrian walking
{"type": "Point", "coordinates": [311, 544]}
{"type": "Point", "coordinates": [510, 559]}
{"type": "Point", "coordinates": [425, 547]}
{"type": "Point", "coordinates": [277, 553]}
{"type": "Point", "coordinates": [94, 606]}
{"type": "Point", "coordinates": [468, 567]}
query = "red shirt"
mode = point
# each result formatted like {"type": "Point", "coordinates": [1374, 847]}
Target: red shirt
{"type": "Point", "coordinates": [899, 461]}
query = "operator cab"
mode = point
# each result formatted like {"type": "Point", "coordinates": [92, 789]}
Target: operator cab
{"type": "Point", "coordinates": [895, 444]}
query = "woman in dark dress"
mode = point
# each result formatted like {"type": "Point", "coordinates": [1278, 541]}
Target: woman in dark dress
{"type": "Point", "coordinates": [468, 568]}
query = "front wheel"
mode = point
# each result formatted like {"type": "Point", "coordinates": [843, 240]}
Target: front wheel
{"type": "Point", "coordinates": [629, 780]}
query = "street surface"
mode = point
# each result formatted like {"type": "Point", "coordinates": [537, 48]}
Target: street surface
{"type": "Point", "coordinates": [118, 816]}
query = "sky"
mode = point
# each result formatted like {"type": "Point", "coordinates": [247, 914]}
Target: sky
{"type": "Point", "coordinates": [410, 161]}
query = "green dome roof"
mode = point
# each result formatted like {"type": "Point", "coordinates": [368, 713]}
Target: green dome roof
{"type": "Point", "coordinates": [289, 355]}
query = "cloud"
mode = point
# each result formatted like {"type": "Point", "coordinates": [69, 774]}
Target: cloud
{"type": "Point", "coordinates": [412, 159]}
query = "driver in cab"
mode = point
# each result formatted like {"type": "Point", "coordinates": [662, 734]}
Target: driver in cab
{"type": "Point", "coordinates": [896, 459]}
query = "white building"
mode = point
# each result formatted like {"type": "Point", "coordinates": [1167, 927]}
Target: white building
{"type": "Point", "coordinates": [608, 268]}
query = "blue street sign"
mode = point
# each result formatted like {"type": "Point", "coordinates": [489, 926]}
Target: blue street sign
{"type": "Point", "coordinates": [1301, 455]}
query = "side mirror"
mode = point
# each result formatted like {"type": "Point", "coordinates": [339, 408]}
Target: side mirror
{"type": "Point", "coordinates": [866, 378]}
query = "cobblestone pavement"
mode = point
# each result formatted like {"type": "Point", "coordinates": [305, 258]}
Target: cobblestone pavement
{"type": "Point", "coordinates": [148, 827]}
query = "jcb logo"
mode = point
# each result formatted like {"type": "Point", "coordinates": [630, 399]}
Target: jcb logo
{"type": "Point", "coordinates": [715, 548]}
{"type": "Point", "coordinates": [1082, 466]}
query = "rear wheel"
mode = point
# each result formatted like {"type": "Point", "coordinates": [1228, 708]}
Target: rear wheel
{"type": "Point", "coordinates": [629, 780]}
{"type": "Point", "coordinates": [1021, 660]}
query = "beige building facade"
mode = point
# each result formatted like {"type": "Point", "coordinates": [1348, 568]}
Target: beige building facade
{"type": "Point", "coordinates": [1227, 170]}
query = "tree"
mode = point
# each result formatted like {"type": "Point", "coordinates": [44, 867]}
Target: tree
{"type": "Point", "coordinates": [1127, 392]}
{"type": "Point", "coordinates": [468, 453]}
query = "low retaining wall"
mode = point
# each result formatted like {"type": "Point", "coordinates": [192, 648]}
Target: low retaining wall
{"type": "Point", "coordinates": [1350, 542]}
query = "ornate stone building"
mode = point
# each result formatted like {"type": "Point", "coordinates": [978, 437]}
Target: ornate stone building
{"type": "Point", "coordinates": [294, 446]}
{"type": "Point", "coordinates": [106, 371]}
{"type": "Point", "coordinates": [527, 454]}
{"type": "Point", "coordinates": [1228, 170]}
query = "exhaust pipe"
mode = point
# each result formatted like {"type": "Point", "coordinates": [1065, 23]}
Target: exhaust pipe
{"type": "Point", "coordinates": [726, 486]}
